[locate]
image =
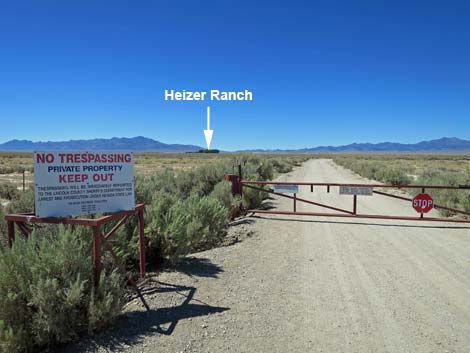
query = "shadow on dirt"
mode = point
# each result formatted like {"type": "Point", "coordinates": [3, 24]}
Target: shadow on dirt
{"type": "Point", "coordinates": [136, 326]}
{"type": "Point", "coordinates": [199, 267]}
{"type": "Point", "coordinates": [267, 205]}
{"type": "Point", "coordinates": [241, 221]}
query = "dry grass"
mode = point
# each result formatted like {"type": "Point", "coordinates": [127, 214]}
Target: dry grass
{"type": "Point", "coordinates": [12, 163]}
{"type": "Point", "coordinates": [148, 163]}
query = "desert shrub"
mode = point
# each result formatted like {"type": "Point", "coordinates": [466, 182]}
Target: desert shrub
{"type": "Point", "coordinates": [7, 169]}
{"type": "Point", "coordinates": [207, 176]}
{"type": "Point", "coordinates": [163, 181]}
{"type": "Point", "coordinates": [191, 225]}
{"type": "Point", "coordinates": [206, 218]}
{"type": "Point", "coordinates": [24, 203]}
{"type": "Point", "coordinates": [464, 201]}
{"type": "Point", "coordinates": [47, 294]}
{"type": "Point", "coordinates": [125, 242]}
{"type": "Point", "coordinates": [185, 183]}
{"type": "Point", "coordinates": [8, 191]}
{"type": "Point", "coordinates": [142, 191]}
{"type": "Point", "coordinates": [223, 194]}
{"type": "Point", "coordinates": [252, 198]}
{"type": "Point", "coordinates": [449, 198]}
{"type": "Point", "coordinates": [259, 168]}
{"type": "Point", "coordinates": [381, 170]}
{"type": "Point", "coordinates": [393, 175]}
{"type": "Point", "coordinates": [15, 168]}
{"type": "Point", "coordinates": [281, 166]}
{"type": "Point", "coordinates": [156, 224]}
{"type": "Point", "coordinates": [264, 170]}
{"type": "Point", "coordinates": [174, 237]}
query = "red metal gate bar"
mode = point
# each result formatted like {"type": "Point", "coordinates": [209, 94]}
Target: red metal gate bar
{"type": "Point", "coordinates": [407, 186]}
{"type": "Point", "coordinates": [300, 199]}
{"type": "Point", "coordinates": [404, 218]}
{"type": "Point", "coordinates": [237, 185]}
{"type": "Point", "coordinates": [408, 199]}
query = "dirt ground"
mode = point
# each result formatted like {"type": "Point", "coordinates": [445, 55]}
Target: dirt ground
{"type": "Point", "coordinates": [304, 284]}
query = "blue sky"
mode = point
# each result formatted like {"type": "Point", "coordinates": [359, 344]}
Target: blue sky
{"type": "Point", "coordinates": [321, 72]}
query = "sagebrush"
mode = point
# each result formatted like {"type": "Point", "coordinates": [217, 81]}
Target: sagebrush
{"type": "Point", "coordinates": [47, 294]}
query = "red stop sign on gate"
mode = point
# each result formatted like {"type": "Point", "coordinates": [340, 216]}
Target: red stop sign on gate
{"type": "Point", "coordinates": [423, 203]}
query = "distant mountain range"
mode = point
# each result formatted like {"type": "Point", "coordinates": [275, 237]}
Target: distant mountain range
{"type": "Point", "coordinates": [442, 145]}
{"type": "Point", "coordinates": [144, 144]}
{"type": "Point", "coordinates": [140, 144]}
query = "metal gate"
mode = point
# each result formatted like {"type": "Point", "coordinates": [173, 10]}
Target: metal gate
{"type": "Point", "coordinates": [422, 203]}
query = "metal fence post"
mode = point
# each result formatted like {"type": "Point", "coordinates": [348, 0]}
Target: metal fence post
{"type": "Point", "coordinates": [140, 221]}
{"type": "Point", "coordinates": [11, 232]}
{"type": "Point", "coordinates": [97, 254]}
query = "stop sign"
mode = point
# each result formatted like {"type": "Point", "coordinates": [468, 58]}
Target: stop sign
{"type": "Point", "coordinates": [423, 203]}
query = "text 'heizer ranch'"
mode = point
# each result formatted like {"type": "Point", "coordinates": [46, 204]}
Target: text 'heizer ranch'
{"type": "Point", "coordinates": [212, 95]}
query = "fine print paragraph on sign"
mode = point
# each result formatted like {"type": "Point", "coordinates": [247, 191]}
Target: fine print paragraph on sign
{"type": "Point", "coordinates": [79, 183]}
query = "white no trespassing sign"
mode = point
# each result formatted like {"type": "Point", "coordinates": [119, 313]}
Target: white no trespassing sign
{"type": "Point", "coordinates": [76, 183]}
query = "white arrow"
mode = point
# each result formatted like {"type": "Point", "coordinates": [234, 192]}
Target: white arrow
{"type": "Point", "coordinates": [208, 133]}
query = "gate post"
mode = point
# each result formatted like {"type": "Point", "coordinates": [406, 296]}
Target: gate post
{"type": "Point", "coordinates": [97, 253]}
{"type": "Point", "coordinates": [236, 184]}
{"type": "Point", "coordinates": [423, 190]}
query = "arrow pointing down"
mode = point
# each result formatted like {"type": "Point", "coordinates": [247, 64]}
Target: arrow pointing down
{"type": "Point", "coordinates": [208, 133]}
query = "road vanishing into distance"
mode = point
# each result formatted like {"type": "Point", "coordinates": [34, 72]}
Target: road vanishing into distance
{"type": "Point", "coordinates": [311, 284]}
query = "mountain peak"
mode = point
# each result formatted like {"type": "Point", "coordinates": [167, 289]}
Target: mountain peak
{"type": "Point", "coordinates": [138, 144]}
{"type": "Point", "coordinates": [444, 144]}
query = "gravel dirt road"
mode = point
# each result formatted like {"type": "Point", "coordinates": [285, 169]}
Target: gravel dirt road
{"type": "Point", "coordinates": [303, 284]}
